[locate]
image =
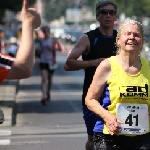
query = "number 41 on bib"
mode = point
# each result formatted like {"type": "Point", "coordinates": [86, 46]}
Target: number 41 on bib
{"type": "Point", "coordinates": [134, 116]}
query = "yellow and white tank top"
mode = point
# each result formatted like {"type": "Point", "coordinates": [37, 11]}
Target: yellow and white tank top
{"type": "Point", "coordinates": [129, 91]}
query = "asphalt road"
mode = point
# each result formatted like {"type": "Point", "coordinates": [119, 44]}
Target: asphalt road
{"type": "Point", "coordinates": [58, 125]}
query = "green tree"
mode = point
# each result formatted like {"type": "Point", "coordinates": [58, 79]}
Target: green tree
{"type": "Point", "coordinates": [91, 4]}
{"type": "Point", "coordinates": [54, 9]}
{"type": "Point", "coordinates": [13, 5]}
{"type": "Point", "coordinates": [131, 8]}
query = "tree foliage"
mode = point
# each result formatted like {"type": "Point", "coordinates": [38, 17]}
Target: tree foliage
{"type": "Point", "coordinates": [131, 8]}
{"type": "Point", "coordinates": [91, 4]}
{"type": "Point", "coordinates": [56, 8]}
{"type": "Point", "coordinates": [14, 5]}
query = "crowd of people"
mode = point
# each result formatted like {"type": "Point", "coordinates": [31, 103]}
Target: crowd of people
{"type": "Point", "coordinates": [115, 99]}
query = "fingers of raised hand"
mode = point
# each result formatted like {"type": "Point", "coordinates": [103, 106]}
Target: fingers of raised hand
{"type": "Point", "coordinates": [25, 5]}
{"type": "Point", "coordinates": [32, 16]}
{"type": "Point", "coordinates": [35, 17]}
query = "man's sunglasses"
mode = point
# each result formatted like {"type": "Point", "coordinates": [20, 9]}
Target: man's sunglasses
{"type": "Point", "coordinates": [106, 12]}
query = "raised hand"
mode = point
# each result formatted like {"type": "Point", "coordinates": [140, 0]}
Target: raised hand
{"type": "Point", "coordinates": [30, 15]}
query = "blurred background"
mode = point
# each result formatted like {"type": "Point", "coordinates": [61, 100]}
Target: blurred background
{"type": "Point", "coordinates": [68, 19]}
{"type": "Point", "coordinates": [58, 125]}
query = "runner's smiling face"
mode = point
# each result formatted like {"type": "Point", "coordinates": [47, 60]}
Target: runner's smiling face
{"type": "Point", "coordinates": [107, 16]}
{"type": "Point", "coordinates": [131, 38]}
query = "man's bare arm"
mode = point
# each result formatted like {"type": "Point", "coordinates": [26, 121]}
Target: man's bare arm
{"type": "Point", "coordinates": [81, 47]}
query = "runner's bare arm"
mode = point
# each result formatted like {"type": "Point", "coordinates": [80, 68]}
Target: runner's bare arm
{"type": "Point", "coordinates": [22, 65]}
{"type": "Point", "coordinates": [81, 47]}
{"type": "Point", "coordinates": [96, 88]}
{"type": "Point", "coordinates": [102, 74]}
{"type": "Point", "coordinates": [58, 45]}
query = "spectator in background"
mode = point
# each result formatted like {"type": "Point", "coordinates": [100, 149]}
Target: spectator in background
{"type": "Point", "coordinates": [1, 38]}
{"type": "Point", "coordinates": [21, 66]}
{"type": "Point", "coordinates": [19, 34]}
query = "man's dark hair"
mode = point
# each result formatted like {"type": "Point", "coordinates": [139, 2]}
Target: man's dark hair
{"type": "Point", "coordinates": [103, 3]}
{"type": "Point", "coordinates": [45, 28]}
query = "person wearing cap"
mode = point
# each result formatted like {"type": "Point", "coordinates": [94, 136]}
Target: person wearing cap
{"type": "Point", "coordinates": [94, 46]}
{"type": "Point", "coordinates": [21, 66]}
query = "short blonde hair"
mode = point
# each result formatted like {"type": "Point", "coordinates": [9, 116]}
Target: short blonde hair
{"type": "Point", "coordinates": [130, 21]}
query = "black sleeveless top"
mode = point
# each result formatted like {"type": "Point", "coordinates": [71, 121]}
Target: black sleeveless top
{"type": "Point", "coordinates": [101, 46]}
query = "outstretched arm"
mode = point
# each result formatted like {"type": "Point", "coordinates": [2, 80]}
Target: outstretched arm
{"type": "Point", "coordinates": [23, 63]}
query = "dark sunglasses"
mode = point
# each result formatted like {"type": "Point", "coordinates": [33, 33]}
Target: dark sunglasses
{"type": "Point", "coordinates": [106, 12]}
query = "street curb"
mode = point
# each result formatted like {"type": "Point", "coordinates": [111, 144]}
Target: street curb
{"type": "Point", "coordinates": [8, 91]}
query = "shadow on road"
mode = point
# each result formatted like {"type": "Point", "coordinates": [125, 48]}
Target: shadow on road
{"type": "Point", "coordinates": [61, 106]}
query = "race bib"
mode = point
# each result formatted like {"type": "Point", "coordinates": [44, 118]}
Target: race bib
{"type": "Point", "coordinates": [134, 116]}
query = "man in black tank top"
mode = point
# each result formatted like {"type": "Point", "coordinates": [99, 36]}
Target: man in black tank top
{"type": "Point", "coordinates": [94, 46]}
